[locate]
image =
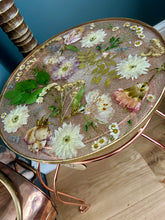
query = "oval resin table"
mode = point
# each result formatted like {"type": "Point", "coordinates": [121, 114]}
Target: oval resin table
{"type": "Point", "coordinates": [84, 95]}
{"type": "Point", "coordinates": [84, 92]}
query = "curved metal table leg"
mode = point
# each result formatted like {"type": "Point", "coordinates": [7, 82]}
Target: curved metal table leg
{"type": "Point", "coordinates": [161, 114]}
{"type": "Point", "coordinates": [83, 207]}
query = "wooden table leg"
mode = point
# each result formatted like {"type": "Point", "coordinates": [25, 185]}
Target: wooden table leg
{"type": "Point", "coordinates": [12, 23]}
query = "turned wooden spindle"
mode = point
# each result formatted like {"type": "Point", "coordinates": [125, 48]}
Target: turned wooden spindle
{"type": "Point", "coordinates": [12, 23]}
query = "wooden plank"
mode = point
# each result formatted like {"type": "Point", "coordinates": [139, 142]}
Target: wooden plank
{"type": "Point", "coordinates": [110, 186]}
{"type": "Point", "coordinates": [150, 208]}
{"type": "Point", "coordinates": [153, 155]}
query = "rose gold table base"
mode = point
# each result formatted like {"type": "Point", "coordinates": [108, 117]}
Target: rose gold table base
{"type": "Point", "coordinates": [83, 207]}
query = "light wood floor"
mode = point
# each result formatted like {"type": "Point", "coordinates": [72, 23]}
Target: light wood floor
{"type": "Point", "coordinates": [127, 186]}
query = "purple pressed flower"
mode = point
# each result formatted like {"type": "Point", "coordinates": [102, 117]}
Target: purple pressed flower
{"type": "Point", "coordinates": [65, 69]}
{"type": "Point", "coordinates": [73, 36]}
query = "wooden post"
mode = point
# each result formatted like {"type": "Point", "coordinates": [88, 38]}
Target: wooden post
{"type": "Point", "coordinates": [12, 23]}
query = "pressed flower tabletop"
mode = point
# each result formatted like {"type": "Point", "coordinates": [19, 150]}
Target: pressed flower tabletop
{"type": "Point", "coordinates": [84, 92]}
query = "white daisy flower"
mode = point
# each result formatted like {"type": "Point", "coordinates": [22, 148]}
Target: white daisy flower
{"type": "Point", "coordinates": [139, 28]}
{"type": "Point", "coordinates": [115, 133]}
{"type": "Point", "coordinates": [99, 143]}
{"type": "Point", "coordinates": [139, 32]}
{"type": "Point", "coordinates": [114, 130]}
{"type": "Point", "coordinates": [127, 24]}
{"type": "Point", "coordinates": [93, 38]}
{"type": "Point", "coordinates": [133, 27]}
{"type": "Point", "coordinates": [3, 115]}
{"type": "Point", "coordinates": [33, 60]}
{"type": "Point", "coordinates": [67, 140]}
{"type": "Point", "coordinates": [113, 126]}
{"type": "Point", "coordinates": [29, 62]}
{"type": "Point", "coordinates": [102, 141]}
{"type": "Point", "coordinates": [95, 146]}
{"type": "Point", "coordinates": [141, 36]}
{"type": "Point", "coordinates": [151, 98]}
{"type": "Point", "coordinates": [16, 118]}
{"type": "Point", "coordinates": [27, 67]}
{"type": "Point", "coordinates": [115, 28]}
{"type": "Point", "coordinates": [22, 67]}
{"type": "Point", "coordinates": [17, 78]}
{"type": "Point", "coordinates": [19, 73]}
{"type": "Point", "coordinates": [138, 43]}
{"type": "Point", "coordinates": [132, 67]}
{"type": "Point", "coordinates": [39, 100]}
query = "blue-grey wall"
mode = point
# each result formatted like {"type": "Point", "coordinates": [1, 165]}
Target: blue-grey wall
{"type": "Point", "coordinates": [49, 17]}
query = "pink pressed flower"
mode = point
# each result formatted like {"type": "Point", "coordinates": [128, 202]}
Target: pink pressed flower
{"type": "Point", "coordinates": [125, 101]}
{"type": "Point", "coordinates": [131, 98]}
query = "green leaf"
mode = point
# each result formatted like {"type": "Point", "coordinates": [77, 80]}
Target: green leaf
{"type": "Point", "coordinates": [54, 114]}
{"type": "Point", "coordinates": [130, 122]}
{"type": "Point", "coordinates": [33, 96]}
{"type": "Point", "coordinates": [26, 85]}
{"type": "Point", "coordinates": [11, 93]}
{"type": "Point", "coordinates": [107, 63]}
{"type": "Point", "coordinates": [98, 79]}
{"type": "Point", "coordinates": [101, 66]}
{"type": "Point", "coordinates": [19, 98]}
{"type": "Point", "coordinates": [107, 82]}
{"type": "Point", "coordinates": [98, 47]}
{"type": "Point", "coordinates": [82, 65]}
{"type": "Point", "coordinates": [42, 77]}
{"type": "Point", "coordinates": [114, 42]}
{"type": "Point", "coordinates": [55, 111]}
{"type": "Point", "coordinates": [78, 98]}
{"type": "Point", "coordinates": [110, 26]}
{"type": "Point", "coordinates": [113, 62]}
{"type": "Point", "coordinates": [105, 71]}
{"type": "Point", "coordinates": [107, 48]}
{"type": "Point", "coordinates": [86, 127]}
{"type": "Point", "coordinates": [52, 107]}
{"type": "Point", "coordinates": [94, 71]}
{"type": "Point", "coordinates": [112, 72]}
{"type": "Point", "coordinates": [72, 47]}
{"type": "Point", "coordinates": [91, 123]}
{"type": "Point", "coordinates": [93, 80]}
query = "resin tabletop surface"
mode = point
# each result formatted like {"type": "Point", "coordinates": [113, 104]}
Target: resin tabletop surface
{"type": "Point", "coordinates": [85, 92]}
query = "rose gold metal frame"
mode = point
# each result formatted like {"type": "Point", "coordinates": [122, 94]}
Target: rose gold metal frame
{"type": "Point", "coordinates": [83, 207]}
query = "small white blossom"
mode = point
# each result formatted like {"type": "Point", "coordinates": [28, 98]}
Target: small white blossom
{"type": "Point", "coordinates": [151, 98]}
{"type": "Point", "coordinates": [115, 28]}
{"type": "Point", "coordinates": [127, 24]}
{"type": "Point", "coordinates": [19, 74]}
{"type": "Point", "coordinates": [138, 43]}
{"type": "Point", "coordinates": [22, 67]}
{"type": "Point", "coordinates": [39, 100]}
{"type": "Point", "coordinates": [3, 115]}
